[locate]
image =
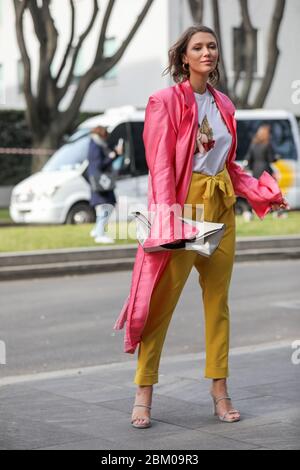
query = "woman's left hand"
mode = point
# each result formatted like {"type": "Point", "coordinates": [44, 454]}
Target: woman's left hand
{"type": "Point", "coordinates": [283, 205]}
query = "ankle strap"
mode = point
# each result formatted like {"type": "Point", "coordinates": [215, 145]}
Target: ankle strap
{"type": "Point", "coordinates": [144, 406]}
{"type": "Point", "coordinates": [221, 398]}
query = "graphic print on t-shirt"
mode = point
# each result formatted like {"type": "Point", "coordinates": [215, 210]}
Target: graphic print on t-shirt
{"type": "Point", "coordinates": [204, 139]}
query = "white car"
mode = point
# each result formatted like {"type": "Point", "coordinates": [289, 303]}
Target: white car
{"type": "Point", "coordinates": [60, 192]}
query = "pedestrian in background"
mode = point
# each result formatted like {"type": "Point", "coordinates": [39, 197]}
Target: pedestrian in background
{"type": "Point", "coordinates": [260, 156]}
{"type": "Point", "coordinates": [101, 158]}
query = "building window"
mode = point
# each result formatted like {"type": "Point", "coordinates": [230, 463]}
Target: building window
{"type": "Point", "coordinates": [20, 76]}
{"type": "Point", "coordinates": [110, 47]}
{"type": "Point", "coordinates": [239, 47]}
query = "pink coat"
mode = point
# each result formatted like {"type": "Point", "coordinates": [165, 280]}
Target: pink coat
{"type": "Point", "coordinates": [169, 136]}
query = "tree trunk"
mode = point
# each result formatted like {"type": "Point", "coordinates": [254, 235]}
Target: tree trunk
{"type": "Point", "coordinates": [44, 148]}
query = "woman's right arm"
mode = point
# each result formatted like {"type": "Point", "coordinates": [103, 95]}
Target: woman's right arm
{"type": "Point", "coordinates": [105, 161]}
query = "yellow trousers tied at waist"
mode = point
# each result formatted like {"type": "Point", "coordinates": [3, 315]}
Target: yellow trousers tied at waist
{"type": "Point", "coordinates": [217, 195]}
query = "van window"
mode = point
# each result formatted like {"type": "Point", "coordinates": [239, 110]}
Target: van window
{"type": "Point", "coordinates": [123, 163]}
{"type": "Point", "coordinates": [70, 156]}
{"type": "Point", "coordinates": [282, 137]}
{"type": "Point", "coordinates": [140, 164]}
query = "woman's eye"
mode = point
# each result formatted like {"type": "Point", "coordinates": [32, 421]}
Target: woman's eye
{"type": "Point", "coordinates": [212, 46]}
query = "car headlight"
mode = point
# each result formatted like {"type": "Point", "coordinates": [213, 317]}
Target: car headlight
{"type": "Point", "coordinates": [48, 193]}
{"type": "Point", "coordinates": [22, 197]}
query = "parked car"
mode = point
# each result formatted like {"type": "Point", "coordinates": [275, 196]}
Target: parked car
{"type": "Point", "coordinates": [60, 192]}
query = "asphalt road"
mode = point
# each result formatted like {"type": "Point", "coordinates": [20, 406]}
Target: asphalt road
{"type": "Point", "coordinates": [59, 323]}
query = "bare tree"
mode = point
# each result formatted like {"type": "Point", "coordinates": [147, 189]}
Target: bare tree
{"type": "Point", "coordinates": [197, 8]}
{"type": "Point", "coordinates": [223, 85]}
{"type": "Point", "coordinates": [240, 89]}
{"type": "Point", "coordinates": [46, 121]}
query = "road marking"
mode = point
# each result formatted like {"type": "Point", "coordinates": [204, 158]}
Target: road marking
{"type": "Point", "coordinates": [131, 365]}
{"type": "Point", "coordinates": [293, 304]}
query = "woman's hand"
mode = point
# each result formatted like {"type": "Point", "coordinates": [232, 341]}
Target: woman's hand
{"type": "Point", "coordinates": [283, 205]}
{"type": "Point", "coordinates": [119, 149]}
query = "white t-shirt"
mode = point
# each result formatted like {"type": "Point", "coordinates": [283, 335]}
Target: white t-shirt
{"type": "Point", "coordinates": [213, 137]}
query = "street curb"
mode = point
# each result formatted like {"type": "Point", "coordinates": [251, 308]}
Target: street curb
{"type": "Point", "coordinates": [49, 263]}
{"type": "Point", "coordinates": [130, 365]}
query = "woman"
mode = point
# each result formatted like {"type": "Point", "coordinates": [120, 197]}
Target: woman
{"type": "Point", "coordinates": [261, 155]}
{"type": "Point", "coordinates": [190, 143]}
{"type": "Point", "coordinates": [101, 158]}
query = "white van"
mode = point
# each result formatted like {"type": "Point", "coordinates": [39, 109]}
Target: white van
{"type": "Point", "coordinates": [60, 192]}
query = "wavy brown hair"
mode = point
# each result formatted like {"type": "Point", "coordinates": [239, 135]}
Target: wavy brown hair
{"type": "Point", "coordinates": [176, 68]}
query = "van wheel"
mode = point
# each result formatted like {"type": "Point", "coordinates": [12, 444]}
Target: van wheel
{"type": "Point", "coordinates": [81, 213]}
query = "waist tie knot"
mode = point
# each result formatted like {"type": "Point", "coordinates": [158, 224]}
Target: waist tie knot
{"type": "Point", "coordinates": [223, 181]}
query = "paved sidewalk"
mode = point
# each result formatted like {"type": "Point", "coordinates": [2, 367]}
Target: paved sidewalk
{"type": "Point", "coordinates": [91, 408]}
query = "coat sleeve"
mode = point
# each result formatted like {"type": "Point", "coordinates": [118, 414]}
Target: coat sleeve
{"type": "Point", "coordinates": [105, 160]}
{"type": "Point", "coordinates": [260, 193]}
{"type": "Point", "coordinates": [160, 139]}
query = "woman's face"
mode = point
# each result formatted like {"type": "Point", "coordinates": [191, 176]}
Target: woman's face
{"type": "Point", "coordinates": [264, 133]}
{"type": "Point", "coordinates": [201, 53]}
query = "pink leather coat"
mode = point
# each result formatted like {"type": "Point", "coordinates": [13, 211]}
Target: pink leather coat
{"type": "Point", "coordinates": [169, 135]}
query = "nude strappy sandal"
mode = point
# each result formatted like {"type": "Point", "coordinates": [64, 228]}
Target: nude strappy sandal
{"type": "Point", "coordinates": [225, 418]}
{"type": "Point", "coordinates": [145, 425]}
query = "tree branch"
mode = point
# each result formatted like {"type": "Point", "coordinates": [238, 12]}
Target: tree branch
{"type": "Point", "coordinates": [51, 32]}
{"type": "Point", "coordinates": [38, 22]}
{"type": "Point", "coordinates": [249, 49]}
{"type": "Point", "coordinates": [111, 61]}
{"type": "Point", "coordinates": [100, 48]}
{"type": "Point", "coordinates": [273, 53]}
{"type": "Point", "coordinates": [69, 46]}
{"type": "Point", "coordinates": [223, 75]}
{"type": "Point", "coordinates": [20, 7]}
{"type": "Point", "coordinates": [97, 71]}
{"type": "Point", "coordinates": [197, 10]}
{"type": "Point", "coordinates": [64, 88]}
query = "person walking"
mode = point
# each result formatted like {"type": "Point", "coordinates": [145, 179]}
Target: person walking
{"type": "Point", "coordinates": [190, 144]}
{"type": "Point", "coordinates": [261, 155]}
{"type": "Point", "coordinates": [258, 159]}
{"type": "Point", "coordinates": [100, 159]}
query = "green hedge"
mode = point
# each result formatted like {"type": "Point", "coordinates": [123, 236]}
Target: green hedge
{"type": "Point", "coordinates": [15, 133]}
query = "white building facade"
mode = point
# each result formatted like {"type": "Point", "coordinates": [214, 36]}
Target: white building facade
{"type": "Point", "coordinates": [139, 72]}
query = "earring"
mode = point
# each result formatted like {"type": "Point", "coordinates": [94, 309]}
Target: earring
{"type": "Point", "coordinates": [185, 66]}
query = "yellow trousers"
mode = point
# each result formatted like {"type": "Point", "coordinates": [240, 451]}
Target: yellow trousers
{"type": "Point", "coordinates": [217, 196]}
